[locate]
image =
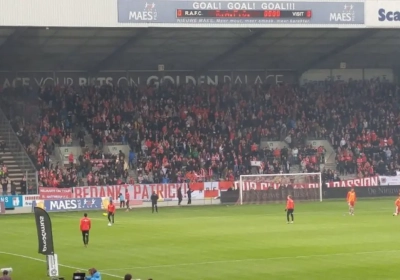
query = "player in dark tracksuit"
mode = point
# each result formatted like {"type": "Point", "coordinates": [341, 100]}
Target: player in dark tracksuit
{"type": "Point", "coordinates": [189, 195]}
{"type": "Point", "coordinates": [180, 195]}
{"type": "Point", "coordinates": [154, 199]}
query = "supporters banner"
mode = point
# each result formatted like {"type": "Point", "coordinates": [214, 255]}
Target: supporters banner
{"type": "Point", "coordinates": [141, 192]}
{"type": "Point", "coordinates": [389, 180]}
{"type": "Point", "coordinates": [12, 201]}
{"type": "Point", "coordinates": [253, 13]}
{"type": "Point", "coordinates": [358, 182]}
{"type": "Point", "coordinates": [126, 78]}
{"type": "Point", "coordinates": [380, 191]}
{"type": "Point", "coordinates": [44, 231]}
{"type": "Point", "coordinates": [63, 205]}
{"type": "Point", "coordinates": [55, 193]}
{"type": "Point", "coordinates": [382, 14]}
{"type": "Point", "coordinates": [263, 185]}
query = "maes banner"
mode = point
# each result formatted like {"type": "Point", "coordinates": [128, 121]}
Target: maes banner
{"type": "Point", "coordinates": [213, 13]}
{"type": "Point", "coordinates": [62, 205]}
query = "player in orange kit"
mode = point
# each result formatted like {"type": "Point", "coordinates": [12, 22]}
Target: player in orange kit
{"type": "Point", "coordinates": [289, 209]}
{"type": "Point", "coordinates": [351, 201]}
{"type": "Point", "coordinates": [397, 204]}
{"type": "Point", "coordinates": [85, 226]}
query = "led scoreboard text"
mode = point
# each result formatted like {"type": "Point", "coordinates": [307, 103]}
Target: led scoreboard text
{"type": "Point", "coordinates": [180, 13]}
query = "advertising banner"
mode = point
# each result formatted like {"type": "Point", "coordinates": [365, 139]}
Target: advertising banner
{"type": "Point", "coordinates": [380, 191]}
{"type": "Point", "coordinates": [307, 194]}
{"type": "Point", "coordinates": [44, 231]}
{"type": "Point", "coordinates": [262, 13]}
{"type": "Point", "coordinates": [389, 180]}
{"type": "Point", "coordinates": [139, 192]}
{"type": "Point", "coordinates": [126, 78]}
{"type": "Point", "coordinates": [12, 201]}
{"type": "Point", "coordinates": [270, 195]}
{"type": "Point", "coordinates": [27, 200]}
{"type": "Point", "coordinates": [74, 204]}
{"type": "Point", "coordinates": [52, 265]}
{"type": "Point", "coordinates": [55, 193]}
{"type": "Point", "coordinates": [382, 14]}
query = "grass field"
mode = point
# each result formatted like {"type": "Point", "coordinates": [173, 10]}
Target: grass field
{"type": "Point", "coordinates": [236, 242]}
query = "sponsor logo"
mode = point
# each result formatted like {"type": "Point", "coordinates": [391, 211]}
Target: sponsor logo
{"type": "Point", "coordinates": [12, 201]}
{"type": "Point", "coordinates": [73, 204]}
{"type": "Point", "coordinates": [347, 15]}
{"type": "Point", "coordinates": [52, 261]}
{"type": "Point", "coordinates": [16, 201]}
{"type": "Point", "coordinates": [43, 234]}
{"type": "Point", "coordinates": [29, 199]}
{"type": "Point", "coordinates": [384, 15]}
{"type": "Point", "coordinates": [69, 204]}
{"type": "Point", "coordinates": [149, 13]}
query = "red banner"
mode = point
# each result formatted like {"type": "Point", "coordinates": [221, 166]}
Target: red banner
{"type": "Point", "coordinates": [360, 182]}
{"type": "Point", "coordinates": [55, 193]}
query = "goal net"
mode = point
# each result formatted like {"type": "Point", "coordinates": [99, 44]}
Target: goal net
{"type": "Point", "coordinates": [265, 188]}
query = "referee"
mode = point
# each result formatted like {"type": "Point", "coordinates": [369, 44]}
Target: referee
{"type": "Point", "coordinates": [289, 209]}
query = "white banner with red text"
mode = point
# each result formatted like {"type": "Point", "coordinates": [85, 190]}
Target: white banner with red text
{"type": "Point", "coordinates": [389, 180]}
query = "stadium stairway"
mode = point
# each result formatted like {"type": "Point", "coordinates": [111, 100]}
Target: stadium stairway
{"type": "Point", "coordinates": [15, 171]}
{"type": "Point", "coordinates": [16, 158]}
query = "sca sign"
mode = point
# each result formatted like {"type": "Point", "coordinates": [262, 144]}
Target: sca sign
{"type": "Point", "coordinates": [387, 15]}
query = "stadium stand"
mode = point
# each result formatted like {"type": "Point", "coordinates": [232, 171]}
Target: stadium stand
{"type": "Point", "coordinates": [208, 133]}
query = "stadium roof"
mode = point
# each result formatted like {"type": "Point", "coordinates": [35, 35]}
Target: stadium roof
{"type": "Point", "coordinates": [92, 49]}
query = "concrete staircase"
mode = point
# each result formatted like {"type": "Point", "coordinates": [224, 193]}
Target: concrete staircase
{"type": "Point", "coordinates": [330, 156]}
{"type": "Point", "coordinates": [15, 156]}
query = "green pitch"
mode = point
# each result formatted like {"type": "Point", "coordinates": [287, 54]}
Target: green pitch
{"type": "Point", "coordinates": [220, 242]}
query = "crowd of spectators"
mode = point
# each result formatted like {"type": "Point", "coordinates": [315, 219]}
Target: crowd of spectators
{"type": "Point", "coordinates": [208, 132]}
{"type": "Point", "coordinates": [103, 169]}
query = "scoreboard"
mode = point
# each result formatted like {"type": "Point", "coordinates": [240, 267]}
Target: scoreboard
{"type": "Point", "coordinates": [242, 14]}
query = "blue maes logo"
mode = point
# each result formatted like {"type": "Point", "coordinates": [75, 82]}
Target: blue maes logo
{"type": "Point", "coordinates": [384, 15]}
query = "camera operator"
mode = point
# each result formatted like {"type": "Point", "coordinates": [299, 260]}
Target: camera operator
{"type": "Point", "coordinates": [94, 275]}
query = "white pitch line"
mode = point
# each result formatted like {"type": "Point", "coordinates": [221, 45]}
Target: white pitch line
{"type": "Point", "coordinates": [62, 265]}
{"type": "Point", "coordinates": [247, 260]}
